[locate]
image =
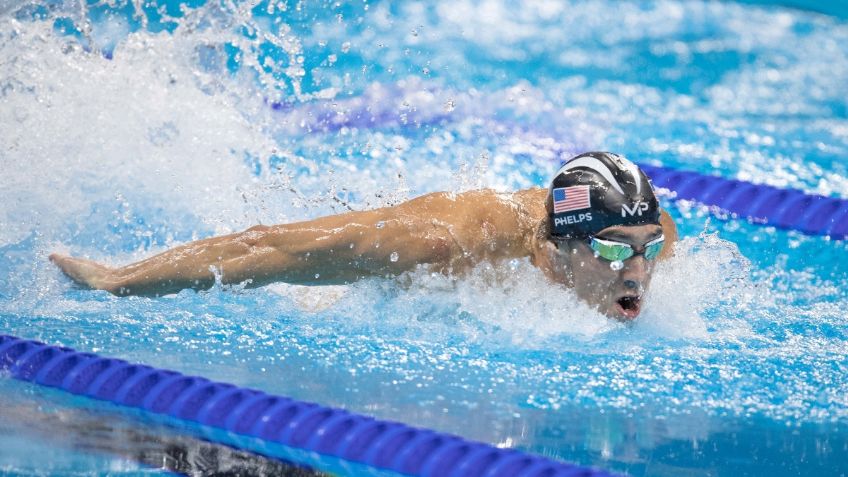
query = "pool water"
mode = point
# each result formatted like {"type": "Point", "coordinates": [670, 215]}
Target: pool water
{"type": "Point", "coordinates": [129, 128]}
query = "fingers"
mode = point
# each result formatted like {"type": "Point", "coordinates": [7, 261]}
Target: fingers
{"type": "Point", "coordinates": [84, 272]}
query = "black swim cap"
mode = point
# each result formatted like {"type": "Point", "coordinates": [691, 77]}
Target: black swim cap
{"type": "Point", "coordinates": [597, 190]}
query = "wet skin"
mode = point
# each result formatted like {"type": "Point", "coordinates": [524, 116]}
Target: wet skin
{"type": "Point", "coordinates": [615, 293]}
{"type": "Point", "coordinates": [448, 232]}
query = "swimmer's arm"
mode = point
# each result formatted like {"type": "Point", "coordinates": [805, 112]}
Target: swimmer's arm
{"type": "Point", "coordinates": [329, 250]}
{"type": "Point", "coordinates": [670, 233]}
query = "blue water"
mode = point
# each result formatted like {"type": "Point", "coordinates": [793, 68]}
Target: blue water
{"type": "Point", "coordinates": [127, 131]}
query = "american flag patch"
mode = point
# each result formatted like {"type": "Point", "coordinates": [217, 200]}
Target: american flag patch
{"type": "Point", "coordinates": [571, 198]}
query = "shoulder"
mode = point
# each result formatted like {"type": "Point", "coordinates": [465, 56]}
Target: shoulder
{"type": "Point", "coordinates": [467, 202]}
{"type": "Point", "coordinates": [533, 201]}
{"type": "Point", "coordinates": [491, 223]}
{"type": "Point", "coordinates": [482, 203]}
{"type": "Point", "coordinates": [670, 234]}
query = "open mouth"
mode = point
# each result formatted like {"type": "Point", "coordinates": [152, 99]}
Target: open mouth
{"type": "Point", "coordinates": [629, 306]}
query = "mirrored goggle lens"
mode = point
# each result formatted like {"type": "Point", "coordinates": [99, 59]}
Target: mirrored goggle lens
{"type": "Point", "coordinates": [653, 249]}
{"type": "Point", "coordinates": [610, 250]}
{"type": "Point", "coordinates": [613, 251]}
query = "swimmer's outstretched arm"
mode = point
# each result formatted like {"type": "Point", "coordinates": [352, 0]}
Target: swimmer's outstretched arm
{"type": "Point", "coordinates": [329, 250]}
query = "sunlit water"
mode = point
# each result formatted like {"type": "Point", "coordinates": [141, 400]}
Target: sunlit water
{"type": "Point", "coordinates": [126, 131]}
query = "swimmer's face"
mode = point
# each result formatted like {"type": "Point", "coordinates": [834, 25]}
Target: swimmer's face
{"type": "Point", "coordinates": [615, 293]}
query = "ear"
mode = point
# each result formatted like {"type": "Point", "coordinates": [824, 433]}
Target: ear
{"type": "Point", "coordinates": [554, 263]}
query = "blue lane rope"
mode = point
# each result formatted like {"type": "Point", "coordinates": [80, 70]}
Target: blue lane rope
{"type": "Point", "coordinates": [276, 419]}
{"type": "Point", "coordinates": [783, 208]}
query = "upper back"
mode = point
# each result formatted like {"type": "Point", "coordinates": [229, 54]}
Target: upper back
{"type": "Point", "coordinates": [482, 224]}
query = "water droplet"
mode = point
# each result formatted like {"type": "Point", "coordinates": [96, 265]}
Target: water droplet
{"type": "Point", "coordinates": [394, 257]}
{"type": "Point", "coordinates": [351, 245]}
{"type": "Point", "coordinates": [345, 47]}
{"type": "Point", "coordinates": [317, 275]}
{"type": "Point", "coordinates": [380, 224]}
{"type": "Point", "coordinates": [617, 265]}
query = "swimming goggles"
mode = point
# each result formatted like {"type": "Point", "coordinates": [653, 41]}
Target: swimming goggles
{"type": "Point", "coordinates": [618, 251]}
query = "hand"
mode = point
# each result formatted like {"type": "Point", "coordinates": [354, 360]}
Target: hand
{"type": "Point", "coordinates": [84, 272]}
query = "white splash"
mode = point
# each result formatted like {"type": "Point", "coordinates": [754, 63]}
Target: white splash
{"type": "Point", "coordinates": [142, 128]}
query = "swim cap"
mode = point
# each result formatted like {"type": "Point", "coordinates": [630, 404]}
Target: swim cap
{"type": "Point", "coordinates": [597, 190]}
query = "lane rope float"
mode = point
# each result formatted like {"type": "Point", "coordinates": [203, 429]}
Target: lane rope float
{"type": "Point", "coordinates": [276, 419]}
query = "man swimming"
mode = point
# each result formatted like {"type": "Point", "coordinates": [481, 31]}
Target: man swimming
{"type": "Point", "coordinates": [597, 229]}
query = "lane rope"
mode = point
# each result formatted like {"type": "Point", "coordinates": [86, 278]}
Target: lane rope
{"type": "Point", "coordinates": [275, 419]}
{"type": "Point", "coordinates": [763, 204]}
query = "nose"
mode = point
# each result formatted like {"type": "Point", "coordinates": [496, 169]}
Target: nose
{"type": "Point", "coordinates": [636, 273]}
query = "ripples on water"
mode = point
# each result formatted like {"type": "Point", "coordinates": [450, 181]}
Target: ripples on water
{"type": "Point", "coordinates": [124, 137]}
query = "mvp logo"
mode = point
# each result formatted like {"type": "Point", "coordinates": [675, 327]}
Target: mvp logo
{"type": "Point", "coordinates": [638, 208]}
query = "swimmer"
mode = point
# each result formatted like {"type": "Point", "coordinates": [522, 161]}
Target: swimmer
{"type": "Point", "coordinates": [597, 229]}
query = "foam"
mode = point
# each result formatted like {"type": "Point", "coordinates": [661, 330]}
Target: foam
{"type": "Point", "coordinates": [138, 129]}
{"type": "Point", "coordinates": [114, 160]}
{"type": "Point", "coordinates": [513, 305]}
